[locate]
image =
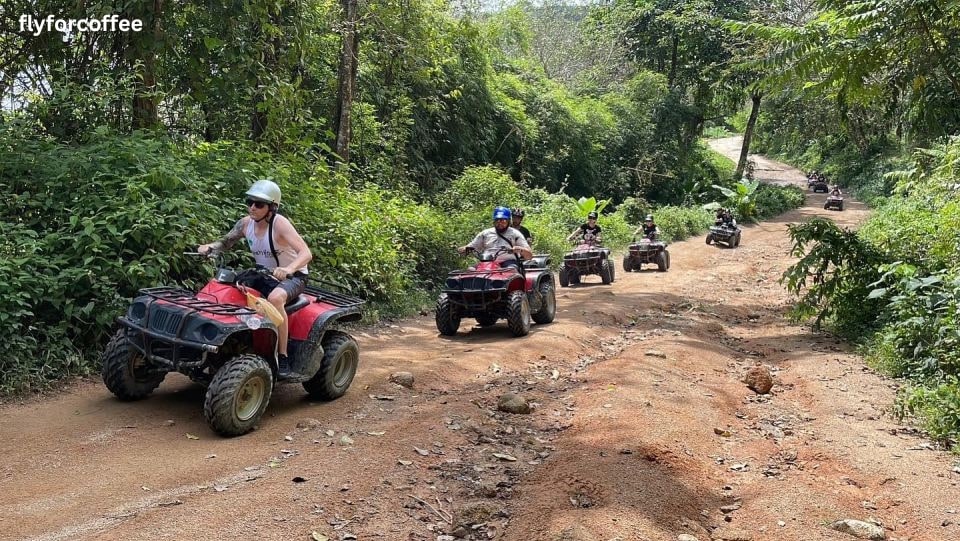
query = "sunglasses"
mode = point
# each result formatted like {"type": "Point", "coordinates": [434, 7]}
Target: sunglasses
{"type": "Point", "coordinates": [255, 203]}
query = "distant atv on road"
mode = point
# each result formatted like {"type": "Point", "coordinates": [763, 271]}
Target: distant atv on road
{"type": "Point", "coordinates": [833, 202]}
{"type": "Point", "coordinates": [490, 292]}
{"type": "Point", "coordinates": [648, 250]}
{"type": "Point", "coordinates": [726, 233]}
{"type": "Point", "coordinates": [589, 257]}
{"type": "Point", "coordinates": [216, 338]}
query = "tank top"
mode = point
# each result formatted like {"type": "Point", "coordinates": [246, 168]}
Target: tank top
{"type": "Point", "coordinates": [260, 246]}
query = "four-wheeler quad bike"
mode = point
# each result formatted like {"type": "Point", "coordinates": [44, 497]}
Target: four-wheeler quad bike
{"type": "Point", "coordinates": [648, 250]}
{"type": "Point", "coordinates": [725, 233]}
{"type": "Point", "coordinates": [587, 258]}
{"type": "Point", "coordinates": [489, 292]}
{"type": "Point", "coordinates": [820, 186]}
{"type": "Point", "coordinates": [833, 202]}
{"type": "Point", "coordinates": [215, 339]}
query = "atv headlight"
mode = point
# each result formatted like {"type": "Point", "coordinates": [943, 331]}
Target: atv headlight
{"type": "Point", "coordinates": [137, 311]}
{"type": "Point", "coordinates": [202, 331]}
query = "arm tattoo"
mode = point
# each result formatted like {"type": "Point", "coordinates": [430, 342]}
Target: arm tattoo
{"type": "Point", "coordinates": [231, 237]}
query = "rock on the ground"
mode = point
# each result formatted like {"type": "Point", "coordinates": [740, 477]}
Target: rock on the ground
{"type": "Point", "coordinates": [512, 403]}
{"type": "Point", "coordinates": [308, 423]}
{"type": "Point", "coordinates": [860, 529]}
{"type": "Point", "coordinates": [759, 380]}
{"type": "Point", "coordinates": [686, 537]}
{"type": "Point", "coordinates": [404, 379]}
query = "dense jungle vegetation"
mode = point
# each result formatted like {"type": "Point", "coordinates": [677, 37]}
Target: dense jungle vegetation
{"type": "Point", "coordinates": [394, 126]}
{"type": "Point", "coordinates": [869, 93]}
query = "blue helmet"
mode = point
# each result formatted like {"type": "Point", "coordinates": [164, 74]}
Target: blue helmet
{"type": "Point", "coordinates": [501, 213]}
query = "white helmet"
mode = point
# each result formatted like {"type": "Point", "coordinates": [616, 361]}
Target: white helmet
{"type": "Point", "coordinates": [266, 190]}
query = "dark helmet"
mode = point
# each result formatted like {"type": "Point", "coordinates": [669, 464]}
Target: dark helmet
{"type": "Point", "coordinates": [501, 213]}
{"type": "Point", "coordinates": [518, 212]}
{"type": "Point", "coordinates": [592, 216]}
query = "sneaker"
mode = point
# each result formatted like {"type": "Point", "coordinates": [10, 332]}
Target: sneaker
{"type": "Point", "coordinates": [284, 364]}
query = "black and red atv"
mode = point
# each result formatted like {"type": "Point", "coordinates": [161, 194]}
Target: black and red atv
{"type": "Point", "coordinates": [489, 292]}
{"type": "Point", "coordinates": [215, 339]}
{"type": "Point", "coordinates": [648, 250]}
{"type": "Point", "coordinates": [589, 257]}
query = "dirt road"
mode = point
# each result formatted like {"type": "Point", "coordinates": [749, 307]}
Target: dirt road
{"type": "Point", "coordinates": [642, 430]}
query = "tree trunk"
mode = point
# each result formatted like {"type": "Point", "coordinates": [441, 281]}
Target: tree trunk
{"type": "Point", "coordinates": [144, 92]}
{"type": "Point", "coordinates": [748, 133]}
{"type": "Point", "coordinates": [672, 77]}
{"type": "Point", "coordinates": [347, 77]}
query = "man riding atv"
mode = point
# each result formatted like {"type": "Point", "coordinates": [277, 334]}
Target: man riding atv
{"type": "Point", "coordinates": [276, 246]}
{"type": "Point", "coordinates": [500, 236]}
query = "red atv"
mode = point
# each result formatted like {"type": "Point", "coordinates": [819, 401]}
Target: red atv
{"type": "Point", "coordinates": [489, 292]}
{"type": "Point", "coordinates": [590, 257]}
{"type": "Point", "coordinates": [213, 338]}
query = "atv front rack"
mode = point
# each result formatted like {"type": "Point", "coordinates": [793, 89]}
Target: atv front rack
{"type": "Point", "coordinates": [475, 291]}
{"type": "Point", "coordinates": [182, 297]}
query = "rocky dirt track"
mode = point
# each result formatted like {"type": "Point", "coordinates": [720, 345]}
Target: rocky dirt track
{"type": "Point", "coordinates": [642, 429]}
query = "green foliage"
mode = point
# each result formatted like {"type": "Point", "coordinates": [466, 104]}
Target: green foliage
{"type": "Point", "coordinates": [678, 223]}
{"type": "Point", "coordinates": [587, 205]}
{"type": "Point", "coordinates": [936, 407]}
{"type": "Point", "coordinates": [741, 198]}
{"type": "Point", "coordinates": [773, 200]}
{"type": "Point", "coordinates": [480, 188]}
{"type": "Point", "coordinates": [833, 276]}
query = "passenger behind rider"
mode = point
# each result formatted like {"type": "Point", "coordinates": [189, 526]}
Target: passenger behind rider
{"type": "Point", "coordinates": [516, 218]}
{"type": "Point", "coordinates": [500, 237]}
{"type": "Point", "coordinates": [649, 229]}
{"type": "Point", "coordinates": [590, 231]}
{"type": "Point", "coordinates": [835, 191]}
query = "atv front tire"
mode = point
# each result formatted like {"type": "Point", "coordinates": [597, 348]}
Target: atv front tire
{"type": "Point", "coordinates": [518, 313]}
{"type": "Point", "coordinates": [627, 266]}
{"type": "Point", "coordinates": [662, 262]}
{"type": "Point", "coordinates": [564, 277]}
{"type": "Point", "coordinates": [341, 355]}
{"type": "Point", "coordinates": [238, 395]}
{"type": "Point", "coordinates": [126, 372]}
{"type": "Point", "coordinates": [606, 271]}
{"type": "Point", "coordinates": [709, 238]}
{"type": "Point", "coordinates": [448, 320]}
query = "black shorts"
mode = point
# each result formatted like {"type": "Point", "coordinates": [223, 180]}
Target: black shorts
{"type": "Point", "coordinates": [294, 286]}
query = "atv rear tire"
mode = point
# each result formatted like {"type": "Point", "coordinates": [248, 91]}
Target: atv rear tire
{"type": "Point", "coordinates": [627, 267]}
{"type": "Point", "coordinates": [518, 313]}
{"type": "Point", "coordinates": [341, 355]}
{"type": "Point", "coordinates": [126, 372]}
{"type": "Point", "coordinates": [606, 275]}
{"type": "Point", "coordinates": [238, 395]}
{"type": "Point", "coordinates": [548, 306]}
{"type": "Point", "coordinates": [564, 277]}
{"type": "Point", "coordinates": [709, 238]}
{"type": "Point", "coordinates": [841, 206]}
{"type": "Point", "coordinates": [666, 254]}
{"type": "Point", "coordinates": [736, 240]}
{"type": "Point", "coordinates": [613, 272]}
{"type": "Point", "coordinates": [826, 206]}
{"type": "Point", "coordinates": [448, 321]}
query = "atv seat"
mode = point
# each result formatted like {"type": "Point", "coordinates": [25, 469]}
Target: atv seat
{"type": "Point", "coordinates": [295, 304]}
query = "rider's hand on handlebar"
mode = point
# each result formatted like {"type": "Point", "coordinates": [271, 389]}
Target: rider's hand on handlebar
{"type": "Point", "coordinates": [281, 273]}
